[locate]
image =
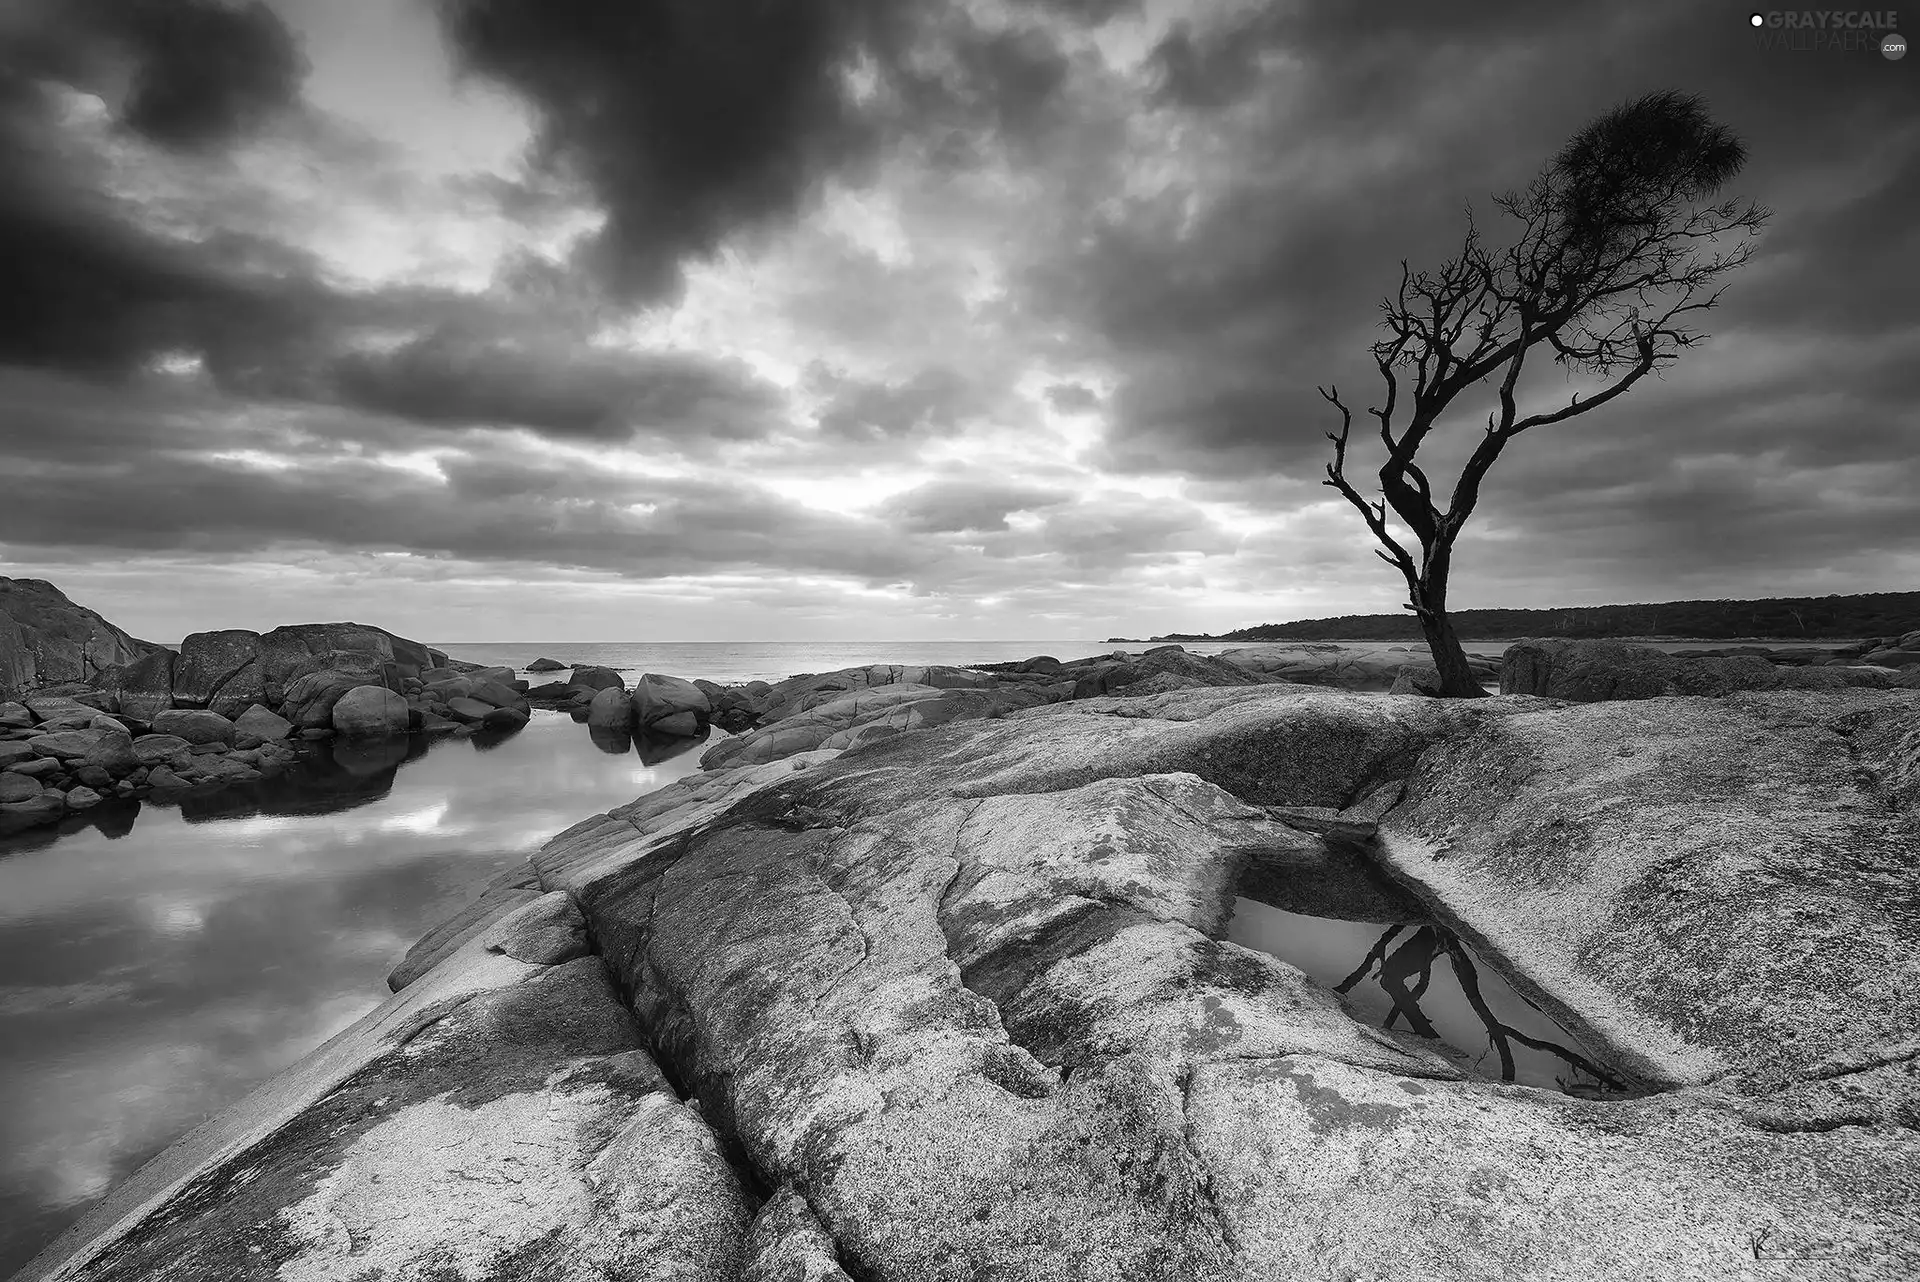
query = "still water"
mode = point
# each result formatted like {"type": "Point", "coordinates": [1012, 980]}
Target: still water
{"type": "Point", "coordinates": [158, 961]}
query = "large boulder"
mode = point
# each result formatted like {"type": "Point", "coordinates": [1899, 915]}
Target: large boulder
{"type": "Point", "coordinates": [195, 726]}
{"type": "Point", "coordinates": [656, 698]}
{"type": "Point", "coordinates": [109, 747]}
{"type": "Point", "coordinates": [592, 677]}
{"type": "Point", "coordinates": [220, 671]}
{"type": "Point", "coordinates": [610, 710]}
{"type": "Point", "coordinates": [544, 664]}
{"type": "Point", "coordinates": [309, 696]}
{"type": "Point", "coordinates": [45, 638]}
{"type": "Point", "coordinates": [369, 712]}
{"type": "Point", "coordinates": [144, 687]}
{"type": "Point", "coordinates": [283, 651]}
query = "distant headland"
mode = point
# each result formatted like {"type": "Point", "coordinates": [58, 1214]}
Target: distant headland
{"type": "Point", "coordinates": [1812, 618]}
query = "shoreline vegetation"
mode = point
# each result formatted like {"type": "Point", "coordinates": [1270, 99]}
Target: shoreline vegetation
{"type": "Point", "coordinates": [1778, 619]}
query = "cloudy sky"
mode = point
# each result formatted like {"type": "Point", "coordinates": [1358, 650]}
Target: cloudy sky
{"type": "Point", "coordinates": [692, 319]}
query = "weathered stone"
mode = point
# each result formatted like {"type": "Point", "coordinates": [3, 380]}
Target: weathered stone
{"type": "Point", "coordinates": [45, 638]}
{"type": "Point", "coordinates": [283, 651]}
{"type": "Point", "coordinates": [18, 787]}
{"type": "Point", "coordinates": [370, 712]}
{"type": "Point", "coordinates": [41, 768]}
{"type": "Point", "coordinates": [497, 694]}
{"type": "Point", "coordinates": [15, 716]}
{"type": "Point", "coordinates": [504, 719]}
{"type": "Point", "coordinates": [82, 798]}
{"type": "Point", "coordinates": [682, 725]}
{"type": "Point", "coordinates": [97, 777]}
{"type": "Point", "coordinates": [593, 677]}
{"type": "Point", "coordinates": [164, 777]}
{"type": "Point", "coordinates": [262, 723]}
{"type": "Point", "coordinates": [610, 709]}
{"type": "Point", "coordinates": [34, 811]}
{"type": "Point", "coordinates": [512, 889]}
{"type": "Point", "coordinates": [196, 726]}
{"type": "Point", "coordinates": [211, 661]}
{"type": "Point", "coordinates": [142, 688]}
{"type": "Point", "coordinates": [656, 697]}
{"type": "Point", "coordinates": [99, 746]}
{"type": "Point", "coordinates": [150, 749]}
{"type": "Point", "coordinates": [546, 932]}
{"type": "Point", "coordinates": [14, 751]}
{"type": "Point", "coordinates": [865, 716]}
{"type": "Point", "coordinates": [545, 665]}
{"type": "Point", "coordinates": [469, 710]}
{"type": "Point", "coordinates": [1417, 678]}
{"type": "Point", "coordinates": [1699, 886]}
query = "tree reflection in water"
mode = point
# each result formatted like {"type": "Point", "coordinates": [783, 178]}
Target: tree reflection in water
{"type": "Point", "coordinates": [1405, 974]}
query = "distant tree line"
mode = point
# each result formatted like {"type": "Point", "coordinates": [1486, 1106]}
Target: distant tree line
{"type": "Point", "coordinates": [1872, 614]}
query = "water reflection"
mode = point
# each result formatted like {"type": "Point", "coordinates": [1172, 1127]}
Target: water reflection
{"type": "Point", "coordinates": [157, 960]}
{"type": "Point", "coordinates": [1417, 978]}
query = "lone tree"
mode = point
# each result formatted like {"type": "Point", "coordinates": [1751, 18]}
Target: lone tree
{"type": "Point", "coordinates": [1615, 248]}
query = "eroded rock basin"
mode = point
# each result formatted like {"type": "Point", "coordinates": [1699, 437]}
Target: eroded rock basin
{"type": "Point", "coordinates": [1416, 977]}
{"type": "Point", "coordinates": [968, 1003]}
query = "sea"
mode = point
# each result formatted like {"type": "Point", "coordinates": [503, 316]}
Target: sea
{"type": "Point", "coordinates": [738, 661]}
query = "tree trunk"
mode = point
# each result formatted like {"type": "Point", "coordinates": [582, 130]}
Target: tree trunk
{"type": "Point", "coordinates": [1457, 680]}
{"type": "Point", "coordinates": [1430, 603]}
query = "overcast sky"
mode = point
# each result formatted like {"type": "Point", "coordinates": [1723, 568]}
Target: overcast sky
{"type": "Point", "coordinates": [692, 319]}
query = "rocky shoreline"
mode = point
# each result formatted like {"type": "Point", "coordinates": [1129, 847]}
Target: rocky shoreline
{"type": "Point", "coordinates": [924, 976]}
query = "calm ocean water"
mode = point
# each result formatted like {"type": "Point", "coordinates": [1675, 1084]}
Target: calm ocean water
{"type": "Point", "coordinates": [735, 661]}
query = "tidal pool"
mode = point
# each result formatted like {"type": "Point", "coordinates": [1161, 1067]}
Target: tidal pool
{"type": "Point", "coordinates": [1416, 977]}
{"type": "Point", "coordinates": [157, 961]}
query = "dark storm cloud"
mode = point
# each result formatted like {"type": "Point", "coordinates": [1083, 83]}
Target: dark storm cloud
{"type": "Point", "coordinates": [959, 504]}
{"type": "Point", "coordinates": [686, 119]}
{"type": "Point", "coordinates": [186, 73]}
{"type": "Point", "coordinates": [564, 389]}
{"type": "Point", "coordinates": [691, 120]}
{"type": "Point", "coordinates": [203, 72]}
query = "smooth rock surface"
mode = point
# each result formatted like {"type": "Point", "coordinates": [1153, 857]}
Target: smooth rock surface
{"type": "Point", "coordinates": [369, 712]}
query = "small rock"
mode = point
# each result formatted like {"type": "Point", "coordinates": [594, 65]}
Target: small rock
{"type": "Point", "coordinates": [163, 777]}
{"type": "Point", "coordinates": [82, 798]}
